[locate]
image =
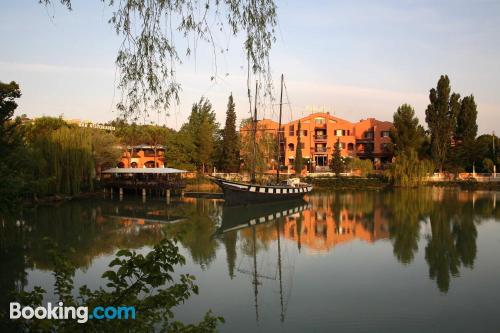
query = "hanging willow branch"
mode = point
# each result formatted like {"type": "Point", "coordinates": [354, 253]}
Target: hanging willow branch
{"type": "Point", "coordinates": [148, 55]}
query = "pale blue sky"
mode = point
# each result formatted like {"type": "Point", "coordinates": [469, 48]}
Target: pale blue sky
{"type": "Point", "coordinates": [356, 59]}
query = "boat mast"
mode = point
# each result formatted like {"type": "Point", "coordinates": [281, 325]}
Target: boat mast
{"type": "Point", "coordinates": [254, 162]}
{"type": "Point", "coordinates": [279, 133]}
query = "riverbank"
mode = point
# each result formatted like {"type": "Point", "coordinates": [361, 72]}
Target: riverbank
{"type": "Point", "coordinates": [348, 183]}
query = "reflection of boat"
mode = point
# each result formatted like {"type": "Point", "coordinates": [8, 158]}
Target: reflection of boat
{"type": "Point", "coordinates": [235, 218]}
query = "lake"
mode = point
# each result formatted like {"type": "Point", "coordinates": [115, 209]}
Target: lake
{"type": "Point", "coordinates": [424, 260]}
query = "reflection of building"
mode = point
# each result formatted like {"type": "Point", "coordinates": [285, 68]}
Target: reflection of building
{"type": "Point", "coordinates": [321, 230]}
{"type": "Point", "coordinates": [143, 156]}
{"type": "Point", "coordinates": [326, 223]}
{"type": "Point", "coordinates": [366, 139]}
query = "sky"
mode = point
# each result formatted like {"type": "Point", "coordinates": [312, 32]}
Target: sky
{"type": "Point", "coordinates": [354, 59]}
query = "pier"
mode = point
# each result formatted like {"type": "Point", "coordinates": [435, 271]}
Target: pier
{"type": "Point", "coordinates": [153, 181]}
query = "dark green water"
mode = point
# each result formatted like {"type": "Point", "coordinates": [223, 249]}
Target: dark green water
{"type": "Point", "coordinates": [399, 261]}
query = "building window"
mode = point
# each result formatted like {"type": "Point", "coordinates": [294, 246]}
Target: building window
{"type": "Point", "coordinates": [368, 135]}
{"type": "Point", "coordinates": [350, 146]}
{"type": "Point", "coordinates": [290, 130]}
{"type": "Point", "coordinates": [339, 132]}
{"type": "Point", "coordinates": [302, 145]}
{"type": "Point", "coordinates": [385, 134]}
{"type": "Point", "coordinates": [384, 147]}
{"type": "Point", "coordinates": [291, 147]}
{"type": "Point", "coordinates": [319, 121]}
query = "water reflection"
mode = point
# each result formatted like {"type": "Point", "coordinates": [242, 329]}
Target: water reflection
{"type": "Point", "coordinates": [441, 224]}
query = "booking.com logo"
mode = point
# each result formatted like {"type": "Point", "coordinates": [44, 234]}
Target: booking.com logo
{"type": "Point", "coordinates": [62, 312]}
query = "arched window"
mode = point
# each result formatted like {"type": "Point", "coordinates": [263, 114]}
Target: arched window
{"type": "Point", "coordinates": [120, 165]}
{"type": "Point", "coordinates": [133, 165]}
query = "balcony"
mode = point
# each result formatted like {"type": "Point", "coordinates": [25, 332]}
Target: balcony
{"type": "Point", "coordinates": [321, 137]}
{"type": "Point", "coordinates": [320, 125]}
{"type": "Point", "coordinates": [320, 149]}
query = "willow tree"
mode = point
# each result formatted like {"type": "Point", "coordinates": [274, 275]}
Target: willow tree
{"type": "Point", "coordinates": [157, 35]}
{"type": "Point", "coordinates": [258, 156]}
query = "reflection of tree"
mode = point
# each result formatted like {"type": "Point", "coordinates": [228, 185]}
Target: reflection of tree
{"type": "Point", "coordinates": [195, 233]}
{"type": "Point", "coordinates": [465, 234]}
{"type": "Point", "coordinates": [453, 240]}
{"type": "Point", "coordinates": [440, 253]}
{"type": "Point", "coordinates": [229, 240]}
{"type": "Point", "coordinates": [13, 276]}
{"type": "Point", "coordinates": [406, 209]}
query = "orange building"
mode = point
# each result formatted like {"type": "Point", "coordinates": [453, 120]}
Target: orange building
{"type": "Point", "coordinates": [143, 156]}
{"type": "Point", "coordinates": [366, 139]}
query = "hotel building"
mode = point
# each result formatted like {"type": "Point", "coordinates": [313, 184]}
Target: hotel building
{"type": "Point", "coordinates": [366, 139]}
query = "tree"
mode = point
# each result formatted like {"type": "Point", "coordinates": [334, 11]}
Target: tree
{"type": "Point", "coordinates": [467, 120]}
{"type": "Point", "coordinates": [299, 161]}
{"type": "Point", "coordinates": [230, 150]}
{"type": "Point", "coordinates": [105, 150]}
{"type": "Point", "coordinates": [148, 54]}
{"type": "Point", "coordinates": [260, 155]}
{"type": "Point", "coordinates": [203, 127]}
{"type": "Point", "coordinates": [465, 147]}
{"type": "Point", "coordinates": [146, 282]}
{"type": "Point", "coordinates": [407, 134]}
{"type": "Point", "coordinates": [11, 170]}
{"type": "Point", "coordinates": [408, 170]}
{"type": "Point", "coordinates": [488, 165]}
{"type": "Point", "coordinates": [337, 165]}
{"type": "Point", "coordinates": [441, 115]}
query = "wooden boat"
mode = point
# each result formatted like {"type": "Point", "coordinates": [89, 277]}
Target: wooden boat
{"type": "Point", "coordinates": [236, 193]}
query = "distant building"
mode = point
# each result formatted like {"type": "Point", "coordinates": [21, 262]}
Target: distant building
{"type": "Point", "coordinates": [143, 156]}
{"type": "Point", "coordinates": [366, 139]}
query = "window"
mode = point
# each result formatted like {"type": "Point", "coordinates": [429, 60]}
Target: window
{"type": "Point", "coordinates": [384, 147]}
{"type": "Point", "coordinates": [385, 134]}
{"type": "Point", "coordinates": [302, 145]}
{"type": "Point", "coordinates": [291, 147]}
{"type": "Point", "coordinates": [319, 121]}
{"type": "Point", "coordinates": [304, 132]}
{"type": "Point", "coordinates": [339, 132]}
{"type": "Point", "coordinates": [290, 130]}
{"type": "Point", "coordinates": [368, 135]}
{"type": "Point", "coordinates": [350, 146]}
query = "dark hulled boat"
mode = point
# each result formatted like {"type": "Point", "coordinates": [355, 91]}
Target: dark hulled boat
{"type": "Point", "coordinates": [236, 193]}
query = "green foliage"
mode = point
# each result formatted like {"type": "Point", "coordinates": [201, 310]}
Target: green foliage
{"type": "Point", "coordinates": [488, 165]}
{"type": "Point", "coordinates": [230, 150]}
{"type": "Point", "coordinates": [257, 157]}
{"type": "Point", "coordinates": [407, 134]}
{"type": "Point", "coordinates": [14, 162]}
{"type": "Point", "coordinates": [364, 167]}
{"type": "Point", "coordinates": [146, 282]}
{"type": "Point", "coordinates": [337, 164]}
{"type": "Point", "coordinates": [408, 170]}
{"type": "Point", "coordinates": [203, 129]}
{"type": "Point", "coordinates": [299, 160]}
{"type": "Point", "coordinates": [467, 120]}
{"type": "Point", "coordinates": [148, 53]}
{"type": "Point", "coordinates": [441, 116]}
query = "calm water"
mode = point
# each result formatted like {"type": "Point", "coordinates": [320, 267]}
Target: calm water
{"type": "Point", "coordinates": [399, 261]}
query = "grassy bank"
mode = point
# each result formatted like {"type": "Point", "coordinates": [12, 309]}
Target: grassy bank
{"type": "Point", "coordinates": [346, 183]}
{"type": "Point", "coordinates": [468, 185]}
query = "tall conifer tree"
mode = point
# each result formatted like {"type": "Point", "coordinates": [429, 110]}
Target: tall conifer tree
{"type": "Point", "coordinates": [230, 156]}
{"type": "Point", "coordinates": [441, 115]}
